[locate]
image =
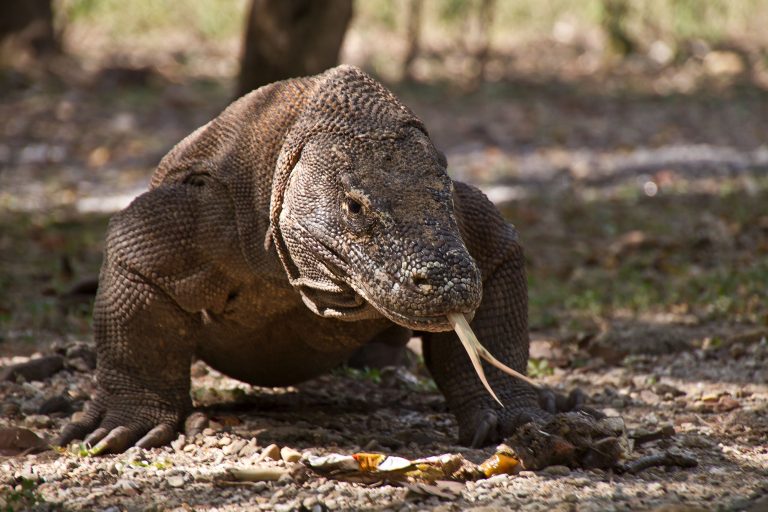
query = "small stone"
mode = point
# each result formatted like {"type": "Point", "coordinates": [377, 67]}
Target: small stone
{"type": "Point", "coordinates": [207, 432]}
{"type": "Point", "coordinates": [726, 403]}
{"type": "Point", "coordinates": [249, 448]}
{"type": "Point", "coordinates": [127, 487]}
{"type": "Point", "coordinates": [649, 397]}
{"type": "Point", "coordinates": [234, 447]}
{"type": "Point", "coordinates": [710, 397]}
{"type": "Point", "coordinates": [664, 389]}
{"type": "Point", "coordinates": [190, 448]}
{"type": "Point", "coordinates": [290, 455]}
{"type": "Point", "coordinates": [38, 421]}
{"type": "Point", "coordinates": [271, 452]}
{"type": "Point", "coordinates": [175, 480]}
{"type": "Point", "coordinates": [9, 410]}
{"type": "Point", "coordinates": [556, 470]}
{"type": "Point", "coordinates": [700, 406]}
{"type": "Point", "coordinates": [331, 504]}
{"type": "Point", "coordinates": [224, 441]}
{"type": "Point", "coordinates": [179, 443]}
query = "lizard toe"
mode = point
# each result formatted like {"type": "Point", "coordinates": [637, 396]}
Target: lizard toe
{"type": "Point", "coordinates": [116, 441]}
{"type": "Point", "coordinates": [158, 436]}
{"type": "Point", "coordinates": [94, 437]}
{"type": "Point", "coordinates": [195, 424]}
{"type": "Point", "coordinates": [79, 429]}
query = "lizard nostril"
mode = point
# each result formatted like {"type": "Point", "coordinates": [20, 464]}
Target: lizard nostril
{"type": "Point", "coordinates": [420, 279]}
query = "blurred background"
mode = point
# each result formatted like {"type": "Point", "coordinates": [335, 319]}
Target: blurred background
{"type": "Point", "coordinates": [626, 139]}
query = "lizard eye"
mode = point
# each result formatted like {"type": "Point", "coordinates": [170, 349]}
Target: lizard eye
{"type": "Point", "coordinates": [353, 206]}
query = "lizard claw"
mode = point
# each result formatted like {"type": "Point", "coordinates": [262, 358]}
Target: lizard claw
{"type": "Point", "coordinates": [487, 426]}
{"type": "Point", "coordinates": [485, 430]}
{"type": "Point", "coordinates": [107, 429]}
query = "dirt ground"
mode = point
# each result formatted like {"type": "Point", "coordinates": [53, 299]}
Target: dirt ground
{"type": "Point", "coordinates": [645, 221]}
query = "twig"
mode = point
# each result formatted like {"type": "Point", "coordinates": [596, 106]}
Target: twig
{"type": "Point", "coordinates": [661, 459]}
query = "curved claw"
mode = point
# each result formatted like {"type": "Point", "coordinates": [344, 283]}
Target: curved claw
{"type": "Point", "coordinates": [96, 436]}
{"type": "Point", "coordinates": [485, 430]}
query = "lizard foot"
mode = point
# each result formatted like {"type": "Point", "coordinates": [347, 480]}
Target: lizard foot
{"type": "Point", "coordinates": [117, 427]}
{"type": "Point", "coordinates": [574, 439]}
{"type": "Point", "coordinates": [554, 402]}
{"type": "Point", "coordinates": [487, 426]}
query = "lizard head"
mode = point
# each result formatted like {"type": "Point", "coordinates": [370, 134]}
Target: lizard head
{"type": "Point", "coordinates": [369, 229]}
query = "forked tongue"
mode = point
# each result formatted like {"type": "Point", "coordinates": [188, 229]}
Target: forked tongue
{"type": "Point", "coordinates": [477, 351]}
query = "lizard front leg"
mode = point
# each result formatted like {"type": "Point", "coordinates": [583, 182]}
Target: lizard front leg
{"type": "Point", "coordinates": [501, 325]}
{"type": "Point", "coordinates": [529, 419]}
{"type": "Point", "coordinates": [154, 283]}
{"type": "Point", "coordinates": [144, 348]}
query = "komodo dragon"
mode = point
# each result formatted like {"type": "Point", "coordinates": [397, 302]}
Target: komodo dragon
{"type": "Point", "coordinates": [312, 216]}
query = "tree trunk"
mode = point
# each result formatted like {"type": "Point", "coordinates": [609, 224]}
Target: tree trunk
{"type": "Point", "coordinates": [415, 9]}
{"type": "Point", "coordinates": [290, 38]}
{"type": "Point", "coordinates": [29, 24]}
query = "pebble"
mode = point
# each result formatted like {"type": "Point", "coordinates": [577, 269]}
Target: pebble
{"type": "Point", "coordinates": [38, 421]}
{"type": "Point", "coordinates": [250, 448]}
{"type": "Point", "coordinates": [179, 443]}
{"type": "Point", "coordinates": [726, 403]}
{"type": "Point", "coordinates": [556, 471]}
{"type": "Point", "coordinates": [234, 447]}
{"type": "Point", "coordinates": [290, 455]}
{"type": "Point", "coordinates": [127, 487]}
{"type": "Point", "coordinates": [271, 452]}
{"type": "Point", "coordinates": [175, 480]}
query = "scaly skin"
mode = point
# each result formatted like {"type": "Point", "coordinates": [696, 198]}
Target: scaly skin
{"type": "Point", "coordinates": [283, 235]}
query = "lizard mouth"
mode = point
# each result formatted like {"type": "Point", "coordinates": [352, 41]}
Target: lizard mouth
{"type": "Point", "coordinates": [339, 267]}
{"type": "Point", "coordinates": [351, 302]}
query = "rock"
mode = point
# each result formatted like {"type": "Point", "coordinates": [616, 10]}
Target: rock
{"type": "Point", "coordinates": [290, 455]}
{"type": "Point", "coordinates": [726, 403]}
{"type": "Point", "coordinates": [175, 480]}
{"type": "Point", "coordinates": [179, 443]}
{"type": "Point", "coordinates": [556, 470]}
{"type": "Point", "coordinates": [250, 448]}
{"type": "Point", "coordinates": [35, 369]}
{"type": "Point", "coordinates": [127, 487]}
{"type": "Point", "coordinates": [271, 452]}
{"type": "Point", "coordinates": [664, 390]}
{"type": "Point", "coordinates": [9, 410]}
{"type": "Point", "coordinates": [56, 404]}
{"type": "Point", "coordinates": [84, 354]}
{"type": "Point", "coordinates": [38, 421]}
{"type": "Point", "coordinates": [234, 447]}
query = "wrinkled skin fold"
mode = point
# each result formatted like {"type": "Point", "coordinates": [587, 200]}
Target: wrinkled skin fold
{"type": "Point", "coordinates": [309, 218]}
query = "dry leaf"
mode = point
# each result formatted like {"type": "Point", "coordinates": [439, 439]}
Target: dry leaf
{"type": "Point", "coordinates": [20, 441]}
